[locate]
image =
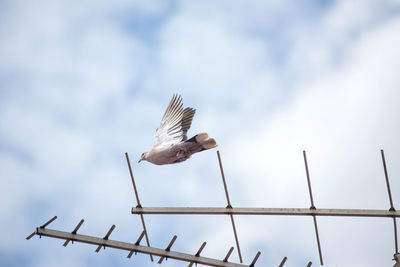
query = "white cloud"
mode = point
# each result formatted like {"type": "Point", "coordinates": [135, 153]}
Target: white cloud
{"type": "Point", "coordinates": [81, 89]}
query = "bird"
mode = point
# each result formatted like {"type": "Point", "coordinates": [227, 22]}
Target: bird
{"type": "Point", "coordinates": [171, 144]}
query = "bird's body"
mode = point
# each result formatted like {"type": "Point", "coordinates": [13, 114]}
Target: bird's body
{"type": "Point", "coordinates": [171, 143]}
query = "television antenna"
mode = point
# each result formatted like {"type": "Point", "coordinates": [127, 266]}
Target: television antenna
{"type": "Point", "coordinates": [228, 210]}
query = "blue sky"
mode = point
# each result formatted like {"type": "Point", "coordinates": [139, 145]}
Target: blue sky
{"type": "Point", "coordinates": [83, 82]}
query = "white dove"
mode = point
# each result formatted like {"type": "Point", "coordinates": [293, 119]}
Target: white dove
{"type": "Point", "coordinates": [170, 141]}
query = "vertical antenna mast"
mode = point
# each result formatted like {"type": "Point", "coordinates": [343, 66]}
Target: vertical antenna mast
{"type": "Point", "coordinates": [138, 202]}
{"type": "Point", "coordinates": [313, 208]}
{"type": "Point", "coordinates": [229, 207]}
{"type": "Point", "coordinates": [396, 245]}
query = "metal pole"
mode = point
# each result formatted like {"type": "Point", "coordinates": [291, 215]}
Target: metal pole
{"type": "Point", "coordinates": [318, 242]}
{"type": "Point", "coordinates": [387, 180]}
{"type": "Point", "coordinates": [138, 202]}
{"type": "Point", "coordinates": [133, 180]}
{"type": "Point", "coordinates": [396, 244]}
{"type": "Point", "coordinates": [308, 180]}
{"type": "Point", "coordinates": [30, 236]}
{"type": "Point", "coordinates": [283, 262]}
{"type": "Point", "coordinates": [130, 254]}
{"type": "Point", "coordinates": [140, 238]}
{"type": "Point", "coordinates": [43, 226]}
{"type": "Point", "coordinates": [137, 243]}
{"type": "Point", "coordinates": [229, 207]}
{"type": "Point", "coordinates": [313, 208]}
{"type": "Point", "coordinates": [228, 254]}
{"type": "Point", "coordinates": [255, 259]}
{"type": "Point", "coordinates": [106, 237]}
{"type": "Point", "coordinates": [223, 180]}
{"type": "Point", "coordinates": [198, 253]}
{"type": "Point", "coordinates": [145, 234]}
{"type": "Point", "coordinates": [74, 232]}
{"type": "Point", "coordinates": [50, 221]}
{"type": "Point", "coordinates": [168, 248]}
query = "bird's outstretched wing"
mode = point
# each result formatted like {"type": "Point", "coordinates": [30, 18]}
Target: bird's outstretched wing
{"type": "Point", "coordinates": [174, 124]}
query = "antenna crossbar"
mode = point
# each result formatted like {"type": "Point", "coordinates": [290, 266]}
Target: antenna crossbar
{"type": "Point", "coordinates": [133, 247]}
{"type": "Point", "coordinates": [266, 211]}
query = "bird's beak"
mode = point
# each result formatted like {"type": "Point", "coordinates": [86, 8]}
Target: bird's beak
{"type": "Point", "coordinates": [139, 160]}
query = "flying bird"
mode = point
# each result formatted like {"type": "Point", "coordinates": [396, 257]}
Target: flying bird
{"type": "Point", "coordinates": [171, 144]}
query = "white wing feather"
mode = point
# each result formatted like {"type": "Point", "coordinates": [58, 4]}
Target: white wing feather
{"type": "Point", "coordinates": [174, 124]}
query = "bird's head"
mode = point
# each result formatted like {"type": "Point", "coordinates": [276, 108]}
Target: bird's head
{"type": "Point", "coordinates": [143, 157]}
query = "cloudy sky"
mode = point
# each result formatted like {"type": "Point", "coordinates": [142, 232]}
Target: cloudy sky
{"type": "Point", "coordinates": [83, 82]}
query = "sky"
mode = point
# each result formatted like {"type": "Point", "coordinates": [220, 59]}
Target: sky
{"type": "Point", "coordinates": [83, 82]}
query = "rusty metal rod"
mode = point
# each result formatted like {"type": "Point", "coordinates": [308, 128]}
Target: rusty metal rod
{"type": "Point", "coordinates": [138, 202]}
{"type": "Point", "coordinates": [145, 234]}
{"type": "Point", "coordinates": [48, 222]}
{"type": "Point", "coordinates": [140, 238]}
{"type": "Point", "coordinates": [313, 207]}
{"type": "Point", "coordinates": [255, 259]}
{"type": "Point", "coordinates": [30, 236]}
{"type": "Point", "coordinates": [228, 255]}
{"type": "Point", "coordinates": [130, 254]}
{"type": "Point", "coordinates": [106, 237]}
{"type": "Point", "coordinates": [200, 249]}
{"type": "Point", "coordinates": [133, 179]}
{"type": "Point", "coordinates": [223, 180]}
{"type": "Point", "coordinates": [396, 244]}
{"type": "Point", "coordinates": [236, 238]}
{"type": "Point", "coordinates": [387, 180]}
{"type": "Point", "coordinates": [109, 232]}
{"type": "Point", "coordinates": [171, 243]}
{"type": "Point", "coordinates": [66, 242]}
{"type": "Point", "coordinates": [283, 261]}
{"type": "Point", "coordinates": [168, 248]}
{"type": "Point", "coordinates": [308, 180]}
{"type": "Point", "coordinates": [229, 206]}
{"type": "Point", "coordinates": [137, 243]}
{"type": "Point", "coordinates": [43, 226]}
{"type": "Point", "coordinates": [318, 242]}
{"type": "Point", "coordinates": [74, 232]}
{"type": "Point", "coordinates": [198, 252]}
{"type": "Point", "coordinates": [78, 226]}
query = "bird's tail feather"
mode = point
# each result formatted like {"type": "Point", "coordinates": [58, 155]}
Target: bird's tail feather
{"type": "Point", "coordinates": [205, 141]}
